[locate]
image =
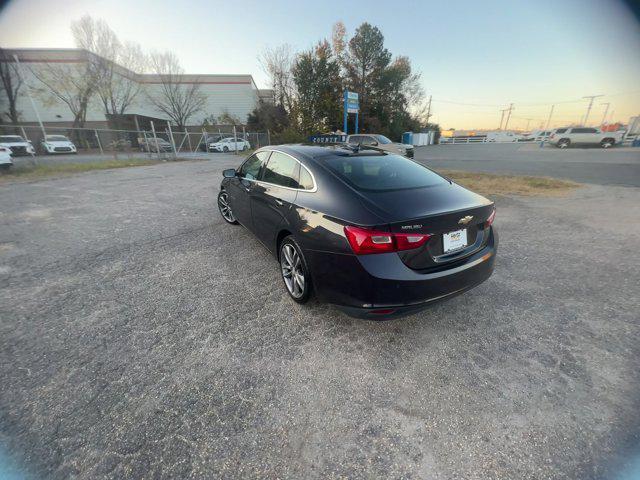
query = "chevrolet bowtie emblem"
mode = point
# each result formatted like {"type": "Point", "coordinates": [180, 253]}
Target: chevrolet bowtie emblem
{"type": "Point", "coordinates": [465, 220]}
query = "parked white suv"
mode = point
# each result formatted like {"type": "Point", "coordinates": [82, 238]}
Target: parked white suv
{"type": "Point", "coordinates": [17, 145]}
{"type": "Point", "coordinates": [585, 136]}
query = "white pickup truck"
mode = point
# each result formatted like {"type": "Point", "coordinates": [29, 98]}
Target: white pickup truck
{"type": "Point", "coordinates": [584, 136]}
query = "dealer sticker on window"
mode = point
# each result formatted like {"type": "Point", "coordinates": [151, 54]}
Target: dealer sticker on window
{"type": "Point", "coordinates": [453, 241]}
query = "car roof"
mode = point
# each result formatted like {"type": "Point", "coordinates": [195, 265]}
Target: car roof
{"type": "Point", "coordinates": [318, 152]}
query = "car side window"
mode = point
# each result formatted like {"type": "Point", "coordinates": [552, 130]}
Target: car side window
{"type": "Point", "coordinates": [355, 139]}
{"type": "Point", "coordinates": [282, 170]}
{"type": "Point", "coordinates": [250, 169]}
{"type": "Point", "coordinates": [306, 181]}
{"type": "Point", "coordinates": [368, 140]}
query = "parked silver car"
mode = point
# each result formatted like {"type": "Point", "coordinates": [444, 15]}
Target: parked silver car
{"type": "Point", "coordinates": [583, 136]}
{"type": "Point", "coordinates": [381, 142]}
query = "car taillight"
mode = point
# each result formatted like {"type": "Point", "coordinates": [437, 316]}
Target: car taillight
{"type": "Point", "coordinates": [364, 241]}
{"type": "Point", "coordinates": [490, 220]}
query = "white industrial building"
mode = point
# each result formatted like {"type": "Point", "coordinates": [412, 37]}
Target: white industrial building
{"type": "Point", "coordinates": [237, 95]}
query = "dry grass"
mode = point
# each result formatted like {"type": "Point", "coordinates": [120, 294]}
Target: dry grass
{"type": "Point", "coordinates": [492, 184]}
{"type": "Point", "coordinates": [32, 172]}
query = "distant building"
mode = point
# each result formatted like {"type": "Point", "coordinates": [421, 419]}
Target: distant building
{"type": "Point", "coordinates": [236, 95]}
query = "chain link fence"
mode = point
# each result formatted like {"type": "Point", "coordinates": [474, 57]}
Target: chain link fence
{"type": "Point", "coordinates": [165, 143]}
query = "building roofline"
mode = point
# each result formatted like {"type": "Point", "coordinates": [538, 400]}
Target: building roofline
{"type": "Point", "coordinates": [143, 77]}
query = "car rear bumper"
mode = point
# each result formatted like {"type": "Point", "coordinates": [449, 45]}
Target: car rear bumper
{"type": "Point", "coordinates": [382, 286]}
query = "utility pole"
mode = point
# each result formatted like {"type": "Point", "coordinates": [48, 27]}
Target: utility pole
{"type": "Point", "coordinates": [591, 99]}
{"type": "Point", "coordinates": [429, 110]}
{"type": "Point", "coordinates": [549, 119]}
{"type": "Point", "coordinates": [502, 117]}
{"type": "Point", "coordinates": [528, 122]}
{"type": "Point", "coordinates": [546, 128]}
{"type": "Point", "coordinates": [606, 110]}
{"type": "Point", "coordinates": [506, 123]}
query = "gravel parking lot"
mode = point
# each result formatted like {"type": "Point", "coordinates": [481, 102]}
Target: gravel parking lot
{"type": "Point", "coordinates": [142, 337]}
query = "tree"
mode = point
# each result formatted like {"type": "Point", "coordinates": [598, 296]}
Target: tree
{"type": "Point", "coordinates": [364, 62]}
{"type": "Point", "coordinates": [226, 118]}
{"type": "Point", "coordinates": [277, 63]}
{"type": "Point", "coordinates": [74, 84]}
{"type": "Point", "coordinates": [178, 100]}
{"type": "Point", "coordinates": [11, 84]}
{"type": "Point", "coordinates": [316, 75]}
{"type": "Point", "coordinates": [267, 116]}
{"type": "Point", "coordinates": [114, 63]}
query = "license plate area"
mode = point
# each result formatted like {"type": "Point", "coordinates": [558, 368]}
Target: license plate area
{"type": "Point", "coordinates": [454, 241]}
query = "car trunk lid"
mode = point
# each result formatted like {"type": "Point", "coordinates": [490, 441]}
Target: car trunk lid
{"type": "Point", "coordinates": [438, 210]}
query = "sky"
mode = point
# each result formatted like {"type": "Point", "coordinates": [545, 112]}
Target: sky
{"type": "Point", "coordinates": [475, 58]}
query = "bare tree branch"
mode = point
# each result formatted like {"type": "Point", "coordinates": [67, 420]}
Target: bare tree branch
{"type": "Point", "coordinates": [114, 64]}
{"type": "Point", "coordinates": [72, 84]}
{"type": "Point", "coordinates": [277, 63]}
{"type": "Point", "coordinates": [176, 99]}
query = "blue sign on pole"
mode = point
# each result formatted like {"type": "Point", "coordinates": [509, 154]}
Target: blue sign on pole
{"type": "Point", "coordinates": [351, 105]}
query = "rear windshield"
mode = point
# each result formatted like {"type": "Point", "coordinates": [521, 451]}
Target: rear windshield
{"type": "Point", "coordinates": [383, 172]}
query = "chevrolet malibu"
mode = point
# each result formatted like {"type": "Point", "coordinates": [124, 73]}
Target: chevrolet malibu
{"type": "Point", "coordinates": [376, 234]}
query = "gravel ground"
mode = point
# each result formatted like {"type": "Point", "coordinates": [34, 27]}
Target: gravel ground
{"type": "Point", "coordinates": [142, 337]}
{"type": "Point", "coordinates": [616, 166]}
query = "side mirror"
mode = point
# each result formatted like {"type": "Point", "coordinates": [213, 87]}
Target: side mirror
{"type": "Point", "coordinates": [374, 143]}
{"type": "Point", "coordinates": [229, 173]}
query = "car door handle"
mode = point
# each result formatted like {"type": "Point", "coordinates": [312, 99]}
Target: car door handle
{"type": "Point", "coordinates": [279, 202]}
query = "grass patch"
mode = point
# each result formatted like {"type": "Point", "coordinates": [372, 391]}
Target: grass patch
{"type": "Point", "coordinates": [492, 184]}
{"type": "Point", "coordinates": [29, 172]}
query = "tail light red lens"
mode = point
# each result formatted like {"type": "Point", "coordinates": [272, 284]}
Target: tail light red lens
{"type": "Point", "coordinates": [364, 241]}
{"type": "Point", "coordinates": [490, 220]}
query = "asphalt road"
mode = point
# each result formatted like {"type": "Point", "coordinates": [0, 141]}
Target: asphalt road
{"type": "Point", "coordinates": [141, 337]}
{"type": "Point", "coordinates": [617, 166]}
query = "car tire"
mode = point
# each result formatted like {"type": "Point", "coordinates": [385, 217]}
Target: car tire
{"type": "Point", "coordinates": [225, 208]}
{"type": "Point", "coordinates": [607, 142]}
{"type": "Point", "coordinates": [5, 166]}
{"type": "Point", "coordinates": [225, 149]}
{"type": "Point", "coordinates": [564, 143]}
{"type": "Point", "coordinates": [294, 270]}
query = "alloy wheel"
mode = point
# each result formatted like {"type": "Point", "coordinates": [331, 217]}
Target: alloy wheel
{"type": "Point", "coordinates": [225, 208]}
{"type": "Point", "coordinates": [292, 271]}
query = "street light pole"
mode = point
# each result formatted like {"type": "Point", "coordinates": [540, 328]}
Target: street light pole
{"type": "Point", "coordinates": [33, 104]}
{"type": "Point", "coordinates": [591, 99]}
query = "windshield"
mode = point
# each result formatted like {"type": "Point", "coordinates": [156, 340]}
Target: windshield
{"type": "Point", "coordinates": [10, 138]}
{"type": "Point", "coordinates": [382, 139]}
{"type": "Point", "coordinates": [383, 172]}
{"type": "Point", "coordinates": [57, 138]}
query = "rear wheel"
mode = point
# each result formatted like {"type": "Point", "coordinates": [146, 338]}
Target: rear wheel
{"type": "Point", "coordinates": [564, 143]}
{"type": "Point", "coordinates": [607, 142]}
{"type": "Point", "coordinates": [294, 271]}
{"type": "Point", "coordinates": [225, 208]}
